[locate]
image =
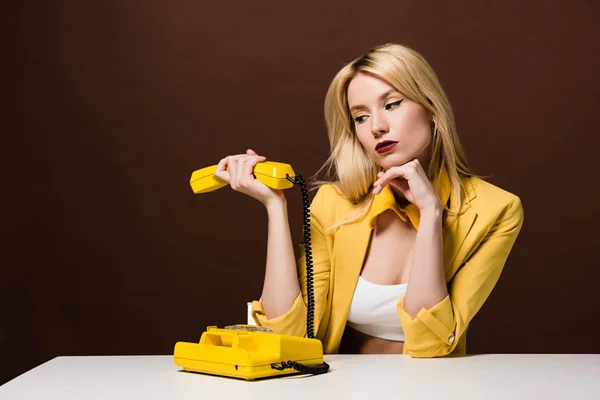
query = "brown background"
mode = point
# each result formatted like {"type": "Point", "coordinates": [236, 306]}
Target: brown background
{"type": "Point", "coordinates": [109, 106]}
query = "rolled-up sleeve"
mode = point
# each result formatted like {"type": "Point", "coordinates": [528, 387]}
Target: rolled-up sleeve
{"type": "Point", "coordinates": [436, 331]}
{"type": "Point", "coordinates": [293, 322]}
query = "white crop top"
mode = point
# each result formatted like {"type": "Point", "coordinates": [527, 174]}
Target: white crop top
{"type": "Point", "coordinates": [373, 310]}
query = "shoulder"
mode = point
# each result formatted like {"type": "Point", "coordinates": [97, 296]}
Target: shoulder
{"type": "Point", "coordinates": [491, 201]}
{"type": "Point", "coordinates": [329, 204]}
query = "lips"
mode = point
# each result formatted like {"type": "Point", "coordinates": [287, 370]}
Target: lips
{"type": "Point", "coordinates": [385, 146]}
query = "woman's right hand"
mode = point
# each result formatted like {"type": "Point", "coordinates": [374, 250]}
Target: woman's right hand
{"type": "Point", "coordinates": [237, 171]}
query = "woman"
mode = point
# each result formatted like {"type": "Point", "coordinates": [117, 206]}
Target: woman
{"type": "Point", "coordinates": [407, 243]}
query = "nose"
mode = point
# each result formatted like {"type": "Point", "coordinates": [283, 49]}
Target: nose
{"type": "Point", "coordinates": [379, 125]}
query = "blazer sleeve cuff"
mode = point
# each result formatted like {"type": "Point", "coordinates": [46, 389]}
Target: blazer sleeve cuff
{"type": "Point", "coordinates": [430, 325]}
{"type": "Point", "coordinates": [291, 323]}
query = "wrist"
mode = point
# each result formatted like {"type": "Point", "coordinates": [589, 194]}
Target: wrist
{"type": "Point", "coordinates": [432, 213]}
{"type": "Point", "coordinates": [276, 204]}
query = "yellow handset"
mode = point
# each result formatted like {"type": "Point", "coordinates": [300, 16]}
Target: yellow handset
{"type": "Point", "coordinates": [271, 173]}
{"type": "Point", "coordinates": [250, 352]}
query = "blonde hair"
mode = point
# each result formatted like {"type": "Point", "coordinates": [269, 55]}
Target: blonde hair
{"type": "Point", "coordinates": [349, 167]}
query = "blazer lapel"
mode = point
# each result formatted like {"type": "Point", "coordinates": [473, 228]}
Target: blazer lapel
{"type": "Point", "coordinates": [349, 250]}
{"type": "Point", "coordinates": [456, 233]}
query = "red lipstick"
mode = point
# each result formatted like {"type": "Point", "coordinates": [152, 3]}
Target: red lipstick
{"type": "Point", "coordinates": [385, 146]}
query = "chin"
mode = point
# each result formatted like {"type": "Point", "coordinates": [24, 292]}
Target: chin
{"type": "Point", "coordinates": [394, 160]}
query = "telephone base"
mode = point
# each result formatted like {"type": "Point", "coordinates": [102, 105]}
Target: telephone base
{"type": "Point", "coordinates": [244, 354]}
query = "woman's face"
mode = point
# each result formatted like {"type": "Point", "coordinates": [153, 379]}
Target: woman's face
{"type": "Point", "coordinates": [392, 129]}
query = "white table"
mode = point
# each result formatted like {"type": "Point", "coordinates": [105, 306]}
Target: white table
{"type": "Point", "coordinates": [351, 377]}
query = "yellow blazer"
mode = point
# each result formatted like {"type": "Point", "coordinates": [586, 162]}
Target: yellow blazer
{"type": "Point", "coordinates": [476, 247]}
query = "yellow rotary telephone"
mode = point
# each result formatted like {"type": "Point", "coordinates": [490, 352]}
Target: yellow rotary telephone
{"type": "Point", "coordinates": [252, 352]}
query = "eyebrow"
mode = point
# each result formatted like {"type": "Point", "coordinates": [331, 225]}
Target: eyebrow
{"type": "Point", "coordinates": [381, 97]}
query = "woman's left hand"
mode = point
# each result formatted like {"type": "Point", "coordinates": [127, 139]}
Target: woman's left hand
{"type": "Point", "coordinates": [412, 181]}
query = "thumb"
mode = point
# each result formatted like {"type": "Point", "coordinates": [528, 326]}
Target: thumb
{"type": "Point", "coordinates": [251, 152]}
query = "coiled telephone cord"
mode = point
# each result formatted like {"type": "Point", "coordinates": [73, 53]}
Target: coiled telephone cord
{"type": "Point", "coordinates": [310, 314]}
{"type": "Point", "coordinates": [305, 369]}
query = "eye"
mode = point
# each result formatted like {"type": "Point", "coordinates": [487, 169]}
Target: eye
{"type": "Point", "coordinates": [360, 119]}
{"type": "Point", "coordinates": [391, 106]}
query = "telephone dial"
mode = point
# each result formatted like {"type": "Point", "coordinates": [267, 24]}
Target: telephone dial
{"type": "Point", "coordinates": [253, 352]}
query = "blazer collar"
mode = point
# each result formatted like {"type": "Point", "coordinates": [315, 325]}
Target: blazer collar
{"type": "Point", "coordinates": [386, 201]}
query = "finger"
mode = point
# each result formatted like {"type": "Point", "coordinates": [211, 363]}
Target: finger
{"type": "Point", "coordinates": [240, 160]}
{"type": "Point", "coordinates": [221, 171]}
{"type": "Point", "coordinates": [398, 182]}
{"type": "Point", "coordinates": [242, 170]}
{"type": "Point", "coordinates": [232, 166]}
{"type": "Point", "coordinates": [239, 169]}
{"type": "Point", "coordinates": [392, 173]}
{"type": "Point", "coordinates": [246, 168]}
{"type": "Point", "coordinates": [251, 152]}
{"type": "Point", "coordinates": [246, 174]}
{"type": "Point", "coordinates": [256, 159]}
{"type": "Point", "coordinates": [253, 161]}
{"type": "Point", "coordinates": [224, 161]}
{"type": "Point", "coordinates": [401, 184]}
{"type": "Point", "coordinates": [376, 188]}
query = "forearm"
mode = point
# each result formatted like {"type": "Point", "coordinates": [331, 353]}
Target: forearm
{"type": "Point", "coordinates": [281, 285]}
{"type": "Point", "coordinates": [427, 282]}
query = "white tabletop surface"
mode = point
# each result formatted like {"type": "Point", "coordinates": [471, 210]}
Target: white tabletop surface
{"type": "Point", "coordinates": [351, 377]}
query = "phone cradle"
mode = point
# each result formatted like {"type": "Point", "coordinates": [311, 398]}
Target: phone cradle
{"type": "Point", "coordinates": [247, 352]}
